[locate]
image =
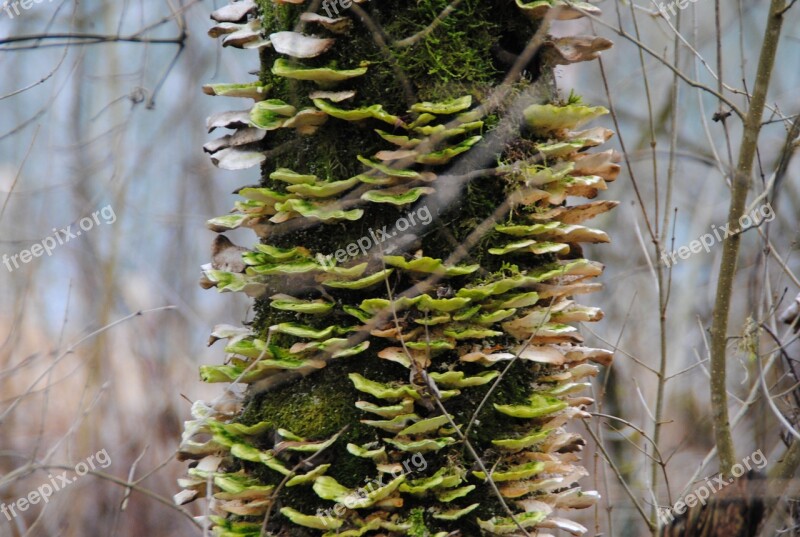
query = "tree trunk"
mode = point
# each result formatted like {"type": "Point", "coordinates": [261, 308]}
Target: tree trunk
{"type": "Point", "coordinates": [414, 277]}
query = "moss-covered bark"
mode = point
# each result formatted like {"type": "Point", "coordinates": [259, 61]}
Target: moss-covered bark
{"type": "Point", "coordinates": [325, 358]}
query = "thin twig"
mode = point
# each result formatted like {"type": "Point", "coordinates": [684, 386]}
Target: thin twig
{"type": "Point", "coordinates": [730, 248]}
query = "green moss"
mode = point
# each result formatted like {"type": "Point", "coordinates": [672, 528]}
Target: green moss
{"type": "Point", "coordinates": [316, 406]}
{"type": "Point", "coordinates": [278, 16]}
{"type": "Point", "coordinates": [452, 59]}
{"type": "Point", "coordinates": [320, 405]}
{"type": "Point", "coordinates": [309, 407]}
{"type": "Point", "coordinates": [417, 520]}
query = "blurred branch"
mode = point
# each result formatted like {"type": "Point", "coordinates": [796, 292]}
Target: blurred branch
{"type": "Point", "coordinates": [787, 152]}
{"type": "Point", "coordinates": [730, 248]}
{"type": "Point", "coordinates": [86, 39]}
{"type": "Point", "coordinates": [19, 172]}
{"type": "Point", "coordinates": [787, 8]}
{"type": "Point", "coordinates": [40, 81]}
{"type": "Point", "coordinates": [775, 410]}
{"type": "Point", "coordinates": [621, 480]}
{"type": "Point", "coordinates": [659, 459]}
{"type": "Point", "coordinates": [71, 349]}
{"type": "Point", "coordinates": [151, 102]}
{"type": "Point", "coordinates": [123, 483]}
{"type": "Point", "coordinates": [41, 111]}
{"type": "Point", "coordinates": [177, 14]}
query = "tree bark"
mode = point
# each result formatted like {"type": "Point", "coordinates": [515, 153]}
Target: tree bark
{"type": "Point", "coordinates": [414, 278]}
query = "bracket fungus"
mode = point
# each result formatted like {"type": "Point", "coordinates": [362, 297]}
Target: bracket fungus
{"type": "Point", "coordinates": [449, 346]}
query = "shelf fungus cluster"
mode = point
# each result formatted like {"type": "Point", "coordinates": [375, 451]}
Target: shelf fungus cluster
{"type": "Point", "coordinates": [447, 349]}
